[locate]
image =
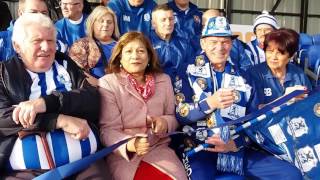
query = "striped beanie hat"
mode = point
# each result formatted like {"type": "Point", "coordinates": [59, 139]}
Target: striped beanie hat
{"type": "Point", "coordinates": [265, 18]}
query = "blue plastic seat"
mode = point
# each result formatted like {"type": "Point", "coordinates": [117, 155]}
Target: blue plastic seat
{"type": "Point", "coordinates": [308, 48]}
{"type": "Point", "coordinates": [305, 41]}
{"type": "Point", "coordinates": [316, 39]}
{"type": "Point", "coordinates": [302, 54]}
{"type": "Point", "coordinates": [314, 63]}
{"type": "Point", "coordinates": [313, 56]}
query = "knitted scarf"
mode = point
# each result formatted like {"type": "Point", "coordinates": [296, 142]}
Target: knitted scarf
{"type": "Point", "coordinates": [228, 162]}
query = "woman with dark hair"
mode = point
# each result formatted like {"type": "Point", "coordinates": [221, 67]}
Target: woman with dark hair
{"type": "Point", "coordinates": [277, 76]}
{"type": "Point", "coordinates": [138, 103]}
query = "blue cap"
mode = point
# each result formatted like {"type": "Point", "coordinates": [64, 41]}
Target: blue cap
{"type": "Point", "coordinates": [218, 27]}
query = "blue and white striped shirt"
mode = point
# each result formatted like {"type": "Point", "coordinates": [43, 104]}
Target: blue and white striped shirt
{"type": "Point", "coordinates": [28, 153]}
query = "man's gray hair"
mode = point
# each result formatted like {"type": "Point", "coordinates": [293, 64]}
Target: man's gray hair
{"type": "Point", "coordinates": [28, 19]}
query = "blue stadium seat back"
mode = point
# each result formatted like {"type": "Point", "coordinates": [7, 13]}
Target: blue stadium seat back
{"type": "Point", "coordinates": [316, 71]}
{"type": "Point", "coordinates": [313, 56]}
{"type": "Point", "coordinates": [305, 41]}
{"type": "Point", "coordinates": [302, 55]}
{"type": "Point", "coordinates": [316, 67]}
{"type": "Point", "coordinates": [316, 39]}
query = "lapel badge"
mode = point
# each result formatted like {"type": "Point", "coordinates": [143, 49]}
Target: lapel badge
{"type": "Point", "coordinates": [202, 83]}
{"type": "Point", "coordinates": [199, 61]}
{"type": "Point", "coordinates": [316, 109]}
{"type": "Point", "coordinates": [184, 109]}
{"type": "Point", "coordinates": [211, 121]}
{"type": "Point", "coordinates": [179, 98]}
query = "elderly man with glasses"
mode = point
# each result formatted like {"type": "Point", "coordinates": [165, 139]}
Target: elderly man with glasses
{"type": "Point", "coordinates": [72, 26]}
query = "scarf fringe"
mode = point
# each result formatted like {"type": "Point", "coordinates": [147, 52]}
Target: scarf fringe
{"type": "Point", "coordinates": [230, 163]}
{"type": "Point", "coordinates": [225, 133]}
{"type": "Point", "coordinates": [227, 162]}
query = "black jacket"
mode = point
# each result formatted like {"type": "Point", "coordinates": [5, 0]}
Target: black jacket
{"type": "Point", "coordinates": [83, 101]}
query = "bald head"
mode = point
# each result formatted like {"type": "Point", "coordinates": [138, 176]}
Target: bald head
{"type": "Point", "coordinates": [208, 14]}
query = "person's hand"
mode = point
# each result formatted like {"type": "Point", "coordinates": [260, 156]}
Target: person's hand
{"type": "Point", "coordinates": [92, 80]}
{"type": "Point", "coordinates": [159, 126]}
{"type": "Point", "coordinates": [219, 145]}
{"type": "Point", "coordinates": [77, 127]}
{"type": "Point", "coordinates": [296, 87]}
{"type": "Point", "coordinates": [139, 145]}
{"type": "Point", "coordinates": [221, 99]}
{"type": "Point", "coordinates": [25, 112]}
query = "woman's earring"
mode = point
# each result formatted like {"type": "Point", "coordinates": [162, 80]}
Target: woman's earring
{"type": "Point", "coordinates": [148, 65]}
{"type": "Point", "coordinates": [120, 65]}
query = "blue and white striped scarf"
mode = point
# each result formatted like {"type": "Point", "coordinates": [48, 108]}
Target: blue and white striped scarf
{"type": "Point", "coordinates": [28, 153]}
{"type": "Point", "coordinates": [230, 78]}
{"type": "Point", "coordinates": [255, 53]}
